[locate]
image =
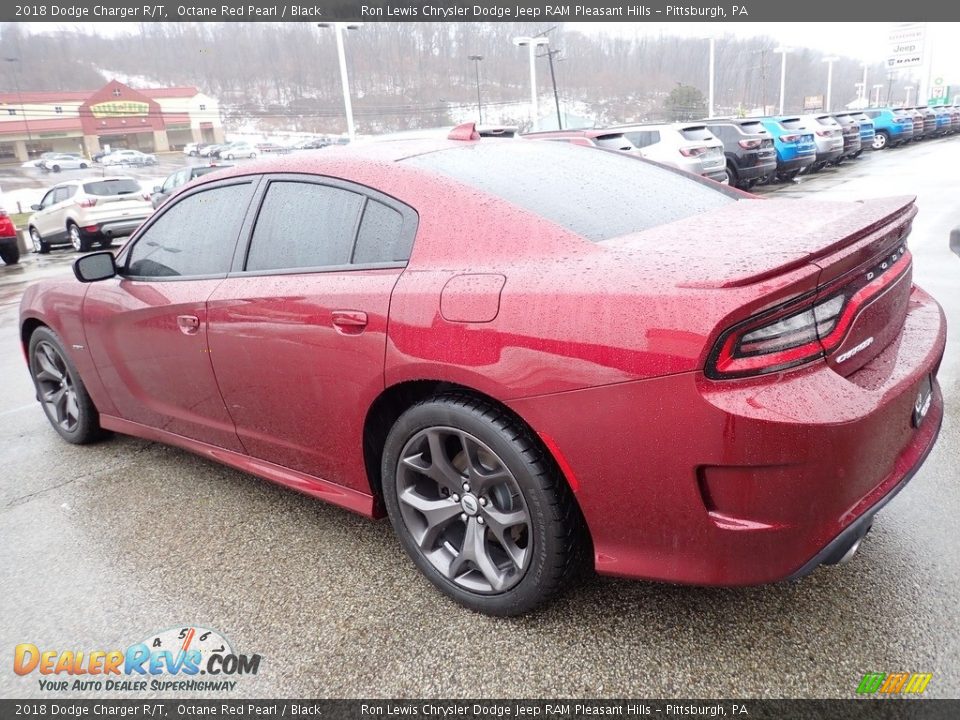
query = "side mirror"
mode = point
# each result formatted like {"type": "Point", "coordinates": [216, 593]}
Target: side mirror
{"type": "Point", "coordinates": [157, 189]}
{"type": "Point", "coordinates": [36, 206]}
{"type": "Point", "coordinates": [95, 266]}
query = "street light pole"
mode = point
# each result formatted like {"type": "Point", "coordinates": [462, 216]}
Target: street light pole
{"type": "Point", "coordinates": [829, 61]}
{"type": "Point", "coordinates": [907, 88]}
{"type": "Point", "coordinates": [783, 73]}
{"type": "Point", "coordinates": [476, 63]}
{"type": "Point", "coordinates": [23, 110]}
{"type": "Point", "coordinates": [877, 88]}
{"type": "Point", "coordinates": [532, 43]}
{"type": "Point", "coordinates": [865, 96]}
{"type": "Point", "coordinates": [338, 28]}
{"type": "Point", "coordinates": [710, 85]}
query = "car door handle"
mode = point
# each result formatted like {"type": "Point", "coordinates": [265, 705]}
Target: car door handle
{"type": "Point", "coordinates": [188, 324]}
{"type": "Point", "coordinates": [349, 322]}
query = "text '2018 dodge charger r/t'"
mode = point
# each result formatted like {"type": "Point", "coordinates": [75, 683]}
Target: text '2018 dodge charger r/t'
{"type": "Point", "coordinates": [597, 358]}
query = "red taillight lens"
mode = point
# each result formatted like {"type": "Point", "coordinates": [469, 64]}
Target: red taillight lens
{"type": "Point", "coordinates": [750, 144]}
{"type": "Point", "coordinates": [801, 330]}
{"type": "Point", "coordinates": [693, 151]}
{"type": "Point", "coordinates": [825, 133]}
{"type": "Point", "coordinates": [790, 138]}
{"type": "Point", "coordinates": [87, 202]}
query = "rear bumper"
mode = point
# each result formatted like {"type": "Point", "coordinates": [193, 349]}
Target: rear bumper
{"type": "Point", "coordinates": [743, 482]}
{"type": "Point", "coordinates": [796, 163]}
{"type": "Point", "coordinates": [829, 155]}
{"type": "Point", "coordinates": [115, 228]}
{"type": "Point", "coordinates": [757, 170]}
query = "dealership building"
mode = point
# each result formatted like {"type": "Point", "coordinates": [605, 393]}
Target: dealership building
{"type": "Point", "coordinates": [116, 115]}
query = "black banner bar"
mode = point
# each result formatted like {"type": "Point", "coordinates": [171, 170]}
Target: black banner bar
{"type": "Point", "coordinates": [888, 709]}
{"type": "Point", "coordinates": [479, 10]}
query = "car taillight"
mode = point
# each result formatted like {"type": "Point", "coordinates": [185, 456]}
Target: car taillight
{"type": "Point", "coordinates": [825, 133]}
{"type": "Point", "coordinates": [750, 144]}
{"type": "Point", "coordinates": [790, 138]}
{"type": "Point", "coordinates": [87, 202]}
{"type": "Point", "coordinates": [693, 151]}
{"type": "Point", "coordinates": [801, 330]}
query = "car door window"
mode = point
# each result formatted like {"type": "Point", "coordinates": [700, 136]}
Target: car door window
{"type": "Point", "coordinates": [48, 199]}
{"type": "Point", "coordinates": [62, 193]}
{"type": "Point", "coordinates": [196, 235]}
{"type": "Point", "coordinates": [304, 225]}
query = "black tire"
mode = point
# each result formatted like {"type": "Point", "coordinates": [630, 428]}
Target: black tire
{"type": "Point", "coordinates": [83, 166]}
{"type": "Point", "coordinates": [80, 242]}
{"type": "Point", "coordinates": [86, 427]}
{"type": "Point", "coordinates": [106, 242]}
{"type": "Point", "coordinates": [881, 140]}
{"type": "Point", "coordinates": [40, 245]}
{"type": "Point", "coordinates": [732, 177]}
{"type": "Point", "coordinates": [56, 168]}
{"type": "Point", "coordinates": [10, 254]}
{"type": "Point", "coordinates": [553, 538]}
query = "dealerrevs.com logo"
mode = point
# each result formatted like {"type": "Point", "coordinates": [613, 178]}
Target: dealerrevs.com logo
{"type": "Point", "coordinates": [188, 659]}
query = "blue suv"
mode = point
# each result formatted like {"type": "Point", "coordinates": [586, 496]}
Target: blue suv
{"type": "Point", "coordinates": [890, 127]}
{"type": "Point", "coordinates": [795, 147]}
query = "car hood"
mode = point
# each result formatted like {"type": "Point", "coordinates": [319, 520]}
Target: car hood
{"type": "Point", "coordinates": [752, 240]}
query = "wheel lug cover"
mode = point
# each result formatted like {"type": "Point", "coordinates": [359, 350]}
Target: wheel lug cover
{"type": "Point", "coordinates": [463, 516]}
{"type": "Point", "coordinates": [466, 487]}
{"type": "Point", "coordinates": [480, 520]}
{"type": "Point", "coordinates": [483, 501]}
{"type": "Point", "coordinates": [455, 498]}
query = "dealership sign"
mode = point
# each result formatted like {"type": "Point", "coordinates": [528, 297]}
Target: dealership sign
{"type": "Point", "coordinates": [905, 45]}
{"type": "Point", "coordinates": [122, 108]}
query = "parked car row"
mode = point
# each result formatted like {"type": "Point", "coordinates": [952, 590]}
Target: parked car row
{"type": "Point", "coordinates": [227, 151]}
{"type": "Point", "coordinates": [748, 151]}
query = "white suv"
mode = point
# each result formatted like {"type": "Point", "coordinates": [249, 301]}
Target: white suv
{"type": "Point", "coordinates": [81, 212]}
{"type": "Point", "coordinates": [686, 146]}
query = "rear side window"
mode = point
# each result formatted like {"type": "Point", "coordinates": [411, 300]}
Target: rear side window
{"type": "Point", "coordinates": [195, 236]}
{"type": "Point", "coordinates": [112, 187]}
{"type": "Point", "coordinates": [63, 193]}
{"type": "Point", "coordinates": [598, 195]}
{"type": "Point", "coordinates": [304, 225]}
{"type": "Point", "coordinates": [381, 237]}
{"type": "Point", "coordinates": [643, 138]}
{"type": "Point", "coordinates": [613, 142]}
{"type": "Point", "coordinates": [698, 132]}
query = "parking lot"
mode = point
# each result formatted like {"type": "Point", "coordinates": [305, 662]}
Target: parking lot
{"type": "Point", "coordinates": [107, 543]}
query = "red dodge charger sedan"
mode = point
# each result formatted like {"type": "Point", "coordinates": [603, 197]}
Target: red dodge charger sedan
{"type": "Point", "coordinates": [525, 354]}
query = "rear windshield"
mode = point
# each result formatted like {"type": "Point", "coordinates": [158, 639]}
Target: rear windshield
{"type": "Point", "coordinates": [598, 195]}
{"type": "Point", "coordinates": [118, 186]}
{"type": "Point", "coordinates": [792, 123]}
{"type": "Point", "coordinates": [752, 127]}
{"type": "Point", "coordinates": [826, 120]}
{"type": "Point", "coordinates": [696, 132]}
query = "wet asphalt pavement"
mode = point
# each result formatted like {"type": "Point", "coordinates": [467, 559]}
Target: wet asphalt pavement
{"type": "Point", "coordinates": [103, 545]}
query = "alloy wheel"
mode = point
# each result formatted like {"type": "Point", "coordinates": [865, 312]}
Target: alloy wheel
{"type": "Point", "coordinates": [35, 239]}
{"type": "Point", "coordinates": [56, 386]}
{"type": "Point", "coordinates": [75, 238]}
{"type": "Point", "coordinates": [464, 510]}
{"type": "Point", "coordinates": [879, 141]}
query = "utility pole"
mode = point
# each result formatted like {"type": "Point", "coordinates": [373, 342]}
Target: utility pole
{"type": "Point", "coordinates": [553, 79]}
{"type": "Point", "coordinates": [713, 49]}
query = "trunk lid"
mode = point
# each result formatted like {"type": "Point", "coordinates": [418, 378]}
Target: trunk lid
{"type": "Point", "coordinates": [859, 250]}
{"type": "Point", "coordinates": [748, 241]}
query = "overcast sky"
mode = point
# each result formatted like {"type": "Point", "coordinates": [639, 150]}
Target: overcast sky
{"type": "Point", "coordinates": [864, 40]}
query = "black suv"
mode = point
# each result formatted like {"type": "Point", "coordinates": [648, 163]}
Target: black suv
{"type": "Point", "coordinates": [852, 147]}
{"type": "Point", "coordinates": [749, 148]}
